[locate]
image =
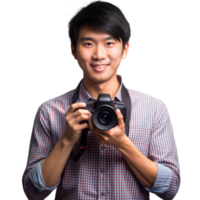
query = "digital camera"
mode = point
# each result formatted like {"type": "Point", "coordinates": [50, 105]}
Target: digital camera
{"type": "Point", "coordinates": [103, 112]}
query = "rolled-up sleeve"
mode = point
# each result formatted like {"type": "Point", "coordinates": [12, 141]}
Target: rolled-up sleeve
{"type": "Point", "coordinates": [163, 151]}
{"type": "Point", "coordinates": [163, 180]}
{"type": "Point", "coordinates": [36, 178]}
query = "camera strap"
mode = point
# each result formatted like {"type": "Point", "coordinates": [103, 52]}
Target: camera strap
{"type": "Point", "coordinates": [127, 102]}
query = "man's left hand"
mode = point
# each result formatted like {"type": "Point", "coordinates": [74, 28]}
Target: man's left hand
{"type": "Point", "coordinates": [113, 137]}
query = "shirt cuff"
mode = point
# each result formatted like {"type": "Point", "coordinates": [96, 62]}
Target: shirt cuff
{"type": "Point", "coordinates": [36, 178]}
{"type": "Point", "coordinates": [163, 180]}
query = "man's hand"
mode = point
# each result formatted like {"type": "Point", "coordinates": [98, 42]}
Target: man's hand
{"type": "Point", "coordinates": [112, 137]}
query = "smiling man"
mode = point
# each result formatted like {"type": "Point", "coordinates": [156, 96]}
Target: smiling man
{"type": "Point", "coordinates": [99, 55]}
{"type": "Point", "coordinates": [124, 162]}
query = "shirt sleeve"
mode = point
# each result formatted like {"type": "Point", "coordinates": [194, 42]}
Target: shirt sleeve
{"type": "Point", "coordinates": [40, 146]}
{"type": "Point", "coordinates": [36, 178]}
{"type": "Point", "coordinates": [163, 151]}
{"type": "Point", "coordinates": [163, 180]}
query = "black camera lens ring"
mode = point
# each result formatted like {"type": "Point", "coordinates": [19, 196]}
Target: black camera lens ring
{"type": "Point", "coordinates": [101, 125]}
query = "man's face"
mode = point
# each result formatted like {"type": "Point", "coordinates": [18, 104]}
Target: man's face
{"type": "Point", "coordinates": [98, 54]}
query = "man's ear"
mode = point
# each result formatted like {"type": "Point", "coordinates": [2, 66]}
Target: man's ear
{"type": "Point", "coordinates": [125, 51]}
{"type": "Point", "coordinates": [71, 48]}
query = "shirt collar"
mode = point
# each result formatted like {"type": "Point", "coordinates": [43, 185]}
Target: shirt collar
{"type": "Point", "coordinates": [84, 96]}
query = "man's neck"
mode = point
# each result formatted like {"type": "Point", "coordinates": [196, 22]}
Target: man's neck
{"type": "Point", "coordinates": [107, 88]}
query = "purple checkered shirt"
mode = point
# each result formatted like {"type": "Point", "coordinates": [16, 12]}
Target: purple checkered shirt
{"type": "Point", "coordinates": [102, 172]}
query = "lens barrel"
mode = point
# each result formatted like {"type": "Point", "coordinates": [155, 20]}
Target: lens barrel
{"type": "Point", "coordinates": [104, 117]}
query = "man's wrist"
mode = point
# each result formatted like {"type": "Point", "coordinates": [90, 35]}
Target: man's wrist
{"type": "Point", "coordinates": [65, 142]}
{"type": "Point", "coordinates": [123, 141]}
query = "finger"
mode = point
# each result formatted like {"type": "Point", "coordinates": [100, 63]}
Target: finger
{"type": "Point", "coordinates": [120, 118]}
{"type": "Point", "coordinates": [80, 112]}
{"type": "Point", "coordinates": [83, 126]}
{"type": "Point", "coordinates": [81, 118]}
{"type": "Point", "coordinates": [75, 106]}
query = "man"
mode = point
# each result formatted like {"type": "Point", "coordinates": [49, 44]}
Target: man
{"type": "Point", "coordinates": [115, 165]}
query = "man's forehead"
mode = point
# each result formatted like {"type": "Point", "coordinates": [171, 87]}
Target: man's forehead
{"type": "Point", "coordinates": [88, 32]}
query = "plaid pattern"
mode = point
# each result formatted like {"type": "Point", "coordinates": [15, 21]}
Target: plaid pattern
{"type": "Point", "coordinates": [102, 172]}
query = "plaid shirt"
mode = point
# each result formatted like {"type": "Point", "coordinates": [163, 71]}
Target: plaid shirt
{"type": "Point", "coordinates": [102, 172]}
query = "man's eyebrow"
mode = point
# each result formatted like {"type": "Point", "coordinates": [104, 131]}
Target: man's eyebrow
{"type": "Point", "coordinates": [92, 39]}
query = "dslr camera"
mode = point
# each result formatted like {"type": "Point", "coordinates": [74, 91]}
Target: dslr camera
{"type": "Point", "coordinates": [103, 112]}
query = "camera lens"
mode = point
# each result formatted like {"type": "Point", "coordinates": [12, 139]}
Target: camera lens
{"type": "Point", "coordinates": [104, 118]}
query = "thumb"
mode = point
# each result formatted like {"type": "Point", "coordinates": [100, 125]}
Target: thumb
{"type": "Point", "coordinates": [120, 118]}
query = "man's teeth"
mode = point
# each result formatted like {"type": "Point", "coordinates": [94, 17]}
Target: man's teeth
{"type": "Point", "coordinates": [99, 66]}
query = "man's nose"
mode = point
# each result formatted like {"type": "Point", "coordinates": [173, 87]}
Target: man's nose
{"type": "Point", "coordinates": [99, 52]}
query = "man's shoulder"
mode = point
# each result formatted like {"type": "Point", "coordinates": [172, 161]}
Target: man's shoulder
{"type": "Point", "coordinates": [64, 100]}
{"type": "Point", "coordinates": [144, 99]}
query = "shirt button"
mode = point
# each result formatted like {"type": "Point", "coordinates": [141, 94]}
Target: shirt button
{"type": "Point", "coordinates": [102, 194]}
{"type": "Point", "coordinates": [103, 147]}
{"type": "Point", "coordinates": [102, 171]}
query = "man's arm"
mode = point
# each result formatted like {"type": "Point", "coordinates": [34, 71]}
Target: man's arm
{"type": "Point", "coordinates": [161, 169]}
{"type": "Point", "coordinates": [52, 166]}
{"type": "Point", "coordinates": [143, 168]}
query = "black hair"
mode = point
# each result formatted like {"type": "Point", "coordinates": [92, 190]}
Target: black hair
{"type": "Point", "coordinates": [102, 16]}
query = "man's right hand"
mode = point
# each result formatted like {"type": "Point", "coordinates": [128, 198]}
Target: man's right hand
{"type": "Point", "coordinates": [73, 117]}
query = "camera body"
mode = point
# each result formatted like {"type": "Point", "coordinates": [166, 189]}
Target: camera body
{"type": "Point", "coordinates": [103, 112]}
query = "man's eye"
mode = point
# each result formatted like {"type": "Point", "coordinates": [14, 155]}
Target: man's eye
{"type": "Point", "coordinates": [88, 44]}
{"type": "Point", "coordinates": [110, 43]}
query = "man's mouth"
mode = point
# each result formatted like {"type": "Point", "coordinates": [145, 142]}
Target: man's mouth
{"type": "Point", "coordinates": [99, 68]}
